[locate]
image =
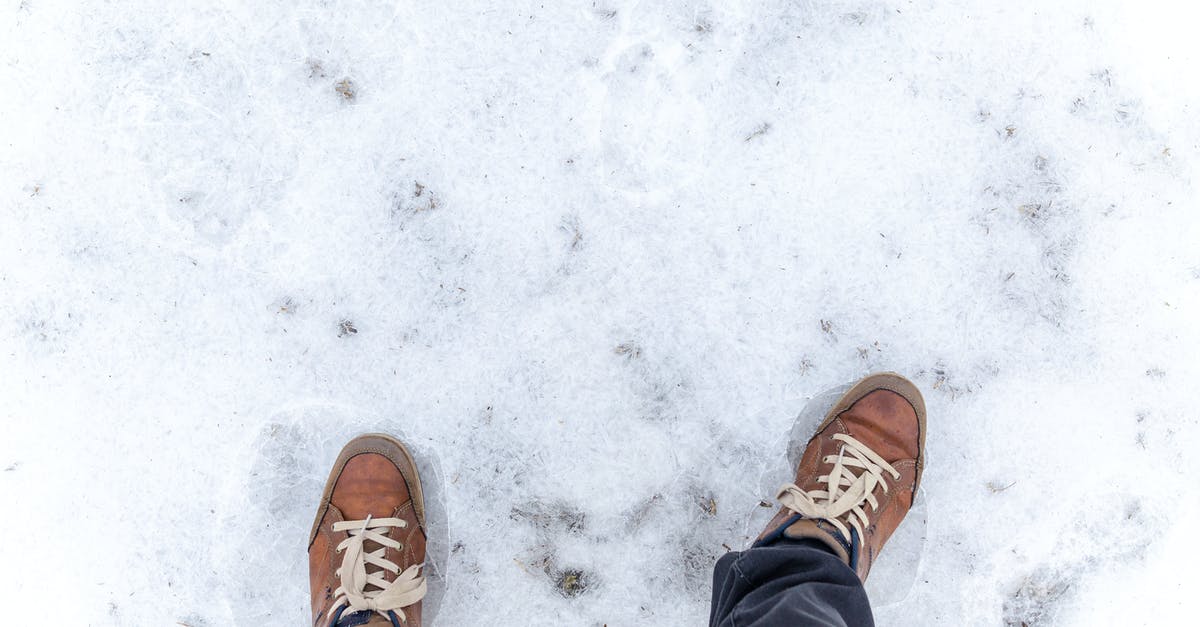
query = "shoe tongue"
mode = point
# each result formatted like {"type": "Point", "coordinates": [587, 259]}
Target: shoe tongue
{"type": "Point", "coordinates": [371, 546]}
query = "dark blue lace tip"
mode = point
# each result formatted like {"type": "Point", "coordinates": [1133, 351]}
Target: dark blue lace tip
{"type": "Point", "coordinates": [353, 619]}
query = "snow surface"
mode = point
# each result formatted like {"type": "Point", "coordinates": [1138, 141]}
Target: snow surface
{"type": "Point", "coordinates": [591, 259]}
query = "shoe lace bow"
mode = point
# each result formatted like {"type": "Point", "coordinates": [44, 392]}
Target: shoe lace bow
{"type": "Point", "coordinates": [846, 492]}
{"type": "Point", "coordinates": [363, 590]}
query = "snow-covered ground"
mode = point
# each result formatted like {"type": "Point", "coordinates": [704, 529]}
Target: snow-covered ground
{"type": "Point", "coordinates": [591, 259]}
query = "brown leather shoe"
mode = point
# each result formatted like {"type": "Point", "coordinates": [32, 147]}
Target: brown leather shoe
{"type": "Point", "coordinates": [367, 545]}
{"type": "Point", "coordinates": [859, 473]}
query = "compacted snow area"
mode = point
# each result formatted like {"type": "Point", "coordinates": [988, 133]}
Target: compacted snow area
{"type": "Point", "coordinates": [592, 259]}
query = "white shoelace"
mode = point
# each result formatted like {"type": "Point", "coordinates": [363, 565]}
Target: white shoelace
{"type": "Point", "coordinates": [846, 491]}
{"type": "Point", "coordinates": [406, 589]}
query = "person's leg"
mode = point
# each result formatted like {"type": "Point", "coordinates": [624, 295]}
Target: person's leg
{"type": "Point", "coordinates": [854, 484]}
{"type": "Point", "coordinates": [789, 582]}
{"type": "Point", "coordinates": [367, 546]}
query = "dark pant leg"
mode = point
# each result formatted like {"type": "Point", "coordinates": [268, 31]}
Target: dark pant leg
{"type": "Point", "coordinates": [787, 583]}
